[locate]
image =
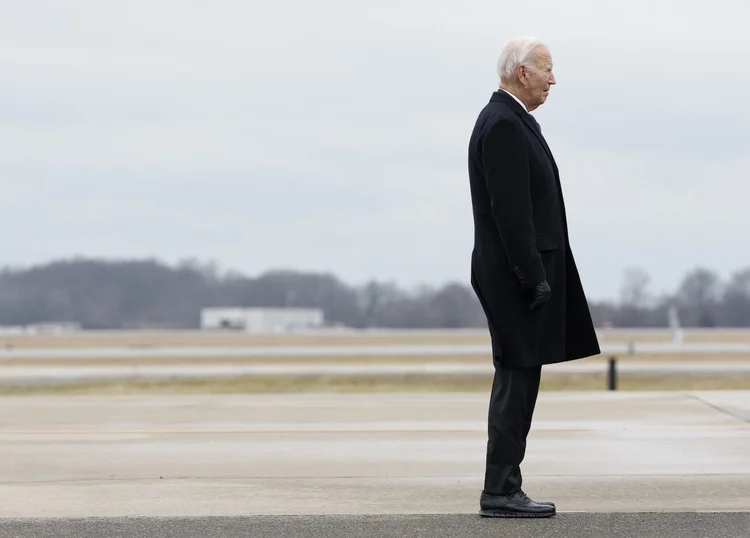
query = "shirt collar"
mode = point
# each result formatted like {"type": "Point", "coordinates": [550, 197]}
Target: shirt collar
{"type": "Point", "coordinates": [516, 98]}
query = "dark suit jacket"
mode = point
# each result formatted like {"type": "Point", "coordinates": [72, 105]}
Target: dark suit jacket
{"type": "Point", "coordinates": [521, 239]}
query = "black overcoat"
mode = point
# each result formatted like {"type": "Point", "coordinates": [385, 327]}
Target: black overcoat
{"type": "Point", "coordinates": [521, 238]}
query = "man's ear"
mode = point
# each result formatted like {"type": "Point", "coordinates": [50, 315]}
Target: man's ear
{"type": "Point", "coordinates": [523, 74]}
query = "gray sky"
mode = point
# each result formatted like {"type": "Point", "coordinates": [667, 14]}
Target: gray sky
{"type": "Point", "coordinates": [332, 135]}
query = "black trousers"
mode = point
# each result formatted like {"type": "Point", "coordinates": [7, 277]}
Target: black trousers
{"type": "Point", "coordinates": [512, 402]}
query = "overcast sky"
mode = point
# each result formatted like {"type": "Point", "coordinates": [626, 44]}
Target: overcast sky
{"type": "Point", "coordinates": [332, 135]}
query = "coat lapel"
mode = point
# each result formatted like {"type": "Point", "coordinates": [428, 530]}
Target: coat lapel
{"type": "Point", "coordinates": [534, 126]}
{"type": "Point", "coordinates": [527, 118]}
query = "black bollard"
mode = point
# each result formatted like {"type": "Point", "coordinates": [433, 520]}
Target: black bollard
{"type": "Point", "coordinates": [612, 374]}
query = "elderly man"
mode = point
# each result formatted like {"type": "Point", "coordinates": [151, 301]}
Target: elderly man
{"type": "Point", "coordinates": [522, 267]}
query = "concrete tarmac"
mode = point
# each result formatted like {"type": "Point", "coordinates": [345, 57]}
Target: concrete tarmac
{"type": "Point", "coordinates": [577, 525]}
{"type": "Point", "coordinates": [412, 461]}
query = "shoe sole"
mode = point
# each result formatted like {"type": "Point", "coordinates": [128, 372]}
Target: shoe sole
{"type": "Point", "coordinates": [510, 513]}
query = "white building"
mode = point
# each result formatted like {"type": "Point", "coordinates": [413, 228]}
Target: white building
{"type": "Point", "coordinates": [262, 320]}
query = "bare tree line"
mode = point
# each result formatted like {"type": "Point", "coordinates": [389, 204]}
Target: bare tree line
{"type": "Point", "coordinates": [150, 294]}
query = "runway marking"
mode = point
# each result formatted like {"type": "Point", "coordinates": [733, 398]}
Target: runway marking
{"type": "Point", "coordinates": [200, 431]}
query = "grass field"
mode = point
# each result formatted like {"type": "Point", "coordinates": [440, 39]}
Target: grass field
{"type": "Point", "coordinates": [335, 359]}
{"type": "Point", "coordinates": [382, 384]}
{"type": "Point", "coordinates": [88, 339]}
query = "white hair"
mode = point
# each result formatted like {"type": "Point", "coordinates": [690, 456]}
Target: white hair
{"type": "Point", "coordinates": [518, 51]}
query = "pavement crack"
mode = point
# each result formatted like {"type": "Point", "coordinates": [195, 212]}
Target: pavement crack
{"type": "Point", "coordinates": [721, 409]}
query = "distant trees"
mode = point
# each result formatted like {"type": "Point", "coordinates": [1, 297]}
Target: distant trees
{"type": "Point", "coordinates": [701, 300]}
{"type": "Point", "coordinates": [149, 294]}
{"type": "Point", "coordinates": [733, 309]}
{"type": "Point", "coordinates": [698, 298]}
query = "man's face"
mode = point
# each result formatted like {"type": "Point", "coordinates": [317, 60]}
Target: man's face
{"type": "Point", "coordinates": [538, 78]}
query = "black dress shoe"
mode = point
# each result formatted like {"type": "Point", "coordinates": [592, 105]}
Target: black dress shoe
{"type": "Point", "coordinates": [514, 505]}
{"type": "Point", "coordinates": [548, 503]}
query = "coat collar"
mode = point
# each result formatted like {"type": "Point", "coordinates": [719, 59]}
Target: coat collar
{"type": "Point", "coordinates": [503, 97]}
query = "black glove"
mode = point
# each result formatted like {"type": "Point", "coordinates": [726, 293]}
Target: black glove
{"type": "Point", "coordinates": [540, 294]}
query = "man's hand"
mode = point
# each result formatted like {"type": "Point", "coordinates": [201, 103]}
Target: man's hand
{"type": "Point", "coordinates": [540, 295]}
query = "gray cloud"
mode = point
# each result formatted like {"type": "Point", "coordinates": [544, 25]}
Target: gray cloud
{"type": "Point", "coordinates": [333, 136]}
